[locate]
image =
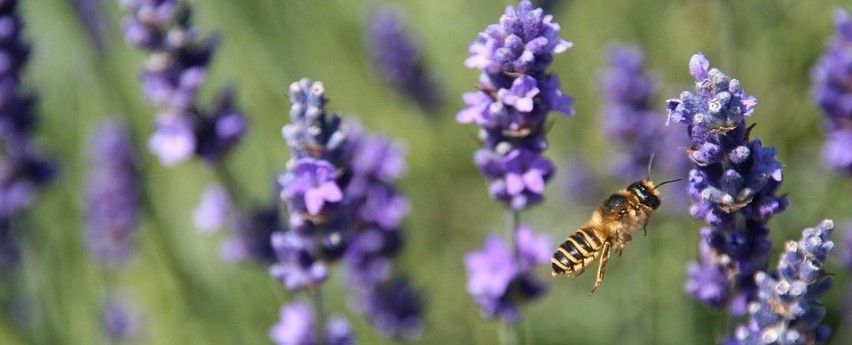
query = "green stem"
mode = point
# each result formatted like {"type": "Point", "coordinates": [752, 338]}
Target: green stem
{"type": "Point", "coordinates": [508, 334]}
{"type": "Point", "coordinates": [727, 39]}
{"type": "Point", "coordinates": [316, 301]}
{"type": "Point", "coordinates": [226, 178]}
{"type": "Point", "coordinates": [513, 221]}
{"type": "Point", "coordinates": [509, 331]}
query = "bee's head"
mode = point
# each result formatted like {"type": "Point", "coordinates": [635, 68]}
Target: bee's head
{"type": "Point", "coordinates": [646, 192]}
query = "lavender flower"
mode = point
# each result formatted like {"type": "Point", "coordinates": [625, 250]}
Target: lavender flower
{"type": "Point", "coordinates": [91, 15]}
{"type": "Point", "coordinates": [387, 300]}
{"type": "Point", "coordinates": [511, 107]}
{"type": "Point", "coordinates": [318, 171]}
{"type": "Point", "coordinates": [499, 280]}
{"type": "Point", "coordinates": [398, 60]}
{"type": "Point", "coordinates": [629, 116]}
{"type": "Point", "coordinates": [250, 238]}
{"type": "Point", "coordinates": [22, 170]}
{"type": "Point", "coordinates": [214, 210]}
{"type": "Point", "coordinates": [297, 323]}
{"type": "Point", "coordinates": [310, 185]}
{"type": "Point", "coordinates": [832, 77]}
{"type": "Point", "coordinates": [298, 265]}
{"type": "Point", "coordinates": [732, 183]}
{"type": "Point", "coordinates": [846, 247]}
{"type": "Point", "coordinates": [120, 321]}
{"type": "Point", "coordinates": [787, 310]}
{"type": "Point", "coordinates": [341, 203]}
{"type": "Point", "coordinates": [171, 78]}
{"type": "Point", "coordinates": [22, 167]}
{"type": "Point", "coordinates": [112, 195]}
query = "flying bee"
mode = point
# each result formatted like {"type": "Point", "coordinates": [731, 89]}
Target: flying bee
{"type": "Point", "coordinates": [610, 229]}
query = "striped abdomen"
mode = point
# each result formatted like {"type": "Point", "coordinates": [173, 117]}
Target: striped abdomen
{"type": "Point", "coordinates": [575, 254]}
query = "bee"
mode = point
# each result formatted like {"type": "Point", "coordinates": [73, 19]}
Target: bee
{"type": "Point", "coordinates": [610, 229]}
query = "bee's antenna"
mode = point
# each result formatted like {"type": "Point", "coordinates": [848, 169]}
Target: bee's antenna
{"type": "Point", "coordinates": [650, 162]}
{"type": "Point", "coordinates": [667, 182]}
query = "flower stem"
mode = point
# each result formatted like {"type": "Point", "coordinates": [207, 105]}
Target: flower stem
{"type": "Point", "coordinates": [727, 40]}
{"type": "Point", "coordinates": [226, 178]}
{"type": "Point", "coordinates": [508, 334]}
{"type": "Point", "coordinates": [509, 331]}
{"type": "Point", "coordinates": [513, 221]}
{"type": "Point", "coordinates": [316, 301]}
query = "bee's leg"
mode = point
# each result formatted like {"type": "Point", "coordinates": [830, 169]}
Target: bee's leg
{"type": "Point", "coordinates": [607, 248]}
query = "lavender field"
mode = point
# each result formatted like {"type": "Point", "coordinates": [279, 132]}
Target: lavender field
{"type": "Point", "coordinates": [301, 172]}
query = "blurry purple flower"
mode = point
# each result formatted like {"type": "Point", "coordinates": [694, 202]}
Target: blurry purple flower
{"type": "Point", "coordinates": [787, 310]}
{"type": "Point", "coordinates": [112, 195]}
{"type": "Point", "coordinates": [22, 167]}
{"type": "Point", "coordinates": [173, 140]}
{"type": "Point", "coordinates": [499, 281]}
{"type": "Point", "coordinates": [630, 118]}
{"type": "Point", "coordinates": [379, 158]}
{"type": "Point", "coordinates": [707, 280]}
{"type": "Point", "coordinates": [310, 185]}
{"type": "Point", "coordinates": [120, 321]}
{"type": "Point", "coordinates": [339, 332]}
{"type": "Point", "coordinates": [214, 210]}
{"type": "Point", "coordinates": [296, 327]}
{"type": "Point", "coordinates": [491, 270]}
{"type": "Point", "coordinates": [91, 15]}
{"type": "Point", "coordinates": [398, 60]}
{"type": "Point", "coordinates": [298, 266]}
{"type": "Point", "coordinates": [394, 308]}
{"type": "Point", "coordinates": [832, 77]}
{"type": "Point", "coordinates": [171, 78]}
{"type": "Point", "coordinates": [533, 249]}
{"type": "Point", "coordinates": [251, 236]}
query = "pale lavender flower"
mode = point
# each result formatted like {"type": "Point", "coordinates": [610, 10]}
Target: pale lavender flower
{"type": "Point", "coordinates": [120, 321]}
{"type": "Point", "coordinates": [499, 280]}
{"type": "Point", "coordinates": [832, 91]}
{"type": "Point", "coordinates": [112, 195]}
{"type": "Point", "coordinates": [298, 265]}
{"type": "Point", "coordinates": [732, 183]}
{"type": "Point", "coordinates": [398, 60]}
{"type": "Point", "coordinates": [214, 210]}
{"type": "Point", "coordinates": [514, 98]}
{"type": "Point", "coordinates": [310, 185]}
{"type": "Point", "coordinates": [787, 310]}
{"type": "Point", "coordinates": [296, 326]}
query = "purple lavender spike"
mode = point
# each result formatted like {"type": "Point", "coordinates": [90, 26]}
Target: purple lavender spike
{"type": "Point", "coordinates": [732, 184]}
{"type": "Point", "coordinates": [112, 195]}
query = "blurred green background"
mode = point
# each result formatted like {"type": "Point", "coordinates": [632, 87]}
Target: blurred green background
{"type": "Point", "coordinates": [190, 296]}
